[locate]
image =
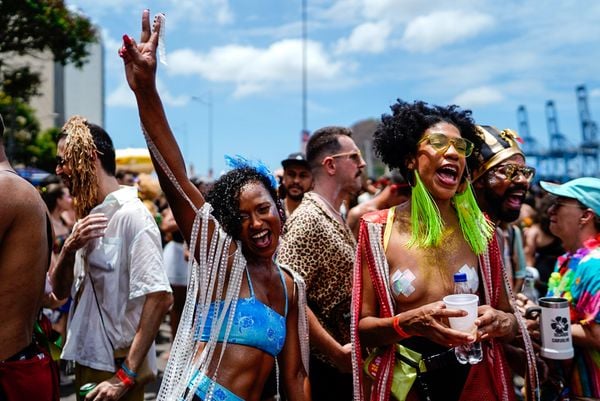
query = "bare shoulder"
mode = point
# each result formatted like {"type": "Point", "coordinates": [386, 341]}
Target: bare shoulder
{"type": "Point", "coordinates": [24, 252]}
{"type": "Point", "coordinates": [290, 278]}
{"type": "Point", "coordinates": [19, 199]}
{"type": "Point", "coordinates": [13, 182]}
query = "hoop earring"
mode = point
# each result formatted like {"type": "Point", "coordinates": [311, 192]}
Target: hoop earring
{"type": "Point", "coordinates": [410, 177]}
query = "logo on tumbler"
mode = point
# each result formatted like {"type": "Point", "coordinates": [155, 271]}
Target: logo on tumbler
{"type": "Point", "coordinates": [560, 326]}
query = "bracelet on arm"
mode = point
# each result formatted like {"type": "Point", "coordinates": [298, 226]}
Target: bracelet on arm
{"type": "Point", "coordinates": [124, 378]}
{"type": "Point", "coordinates": [129, 372]}
{"type": "Point", "coordinates": [396, 325]}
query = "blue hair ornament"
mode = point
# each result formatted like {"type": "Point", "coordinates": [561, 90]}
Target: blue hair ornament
{"type": "Point", "coordinates": [238, 161]}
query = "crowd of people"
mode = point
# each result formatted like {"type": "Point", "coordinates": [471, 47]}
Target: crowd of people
{"type": "Point", "coordinates": [288, 289]}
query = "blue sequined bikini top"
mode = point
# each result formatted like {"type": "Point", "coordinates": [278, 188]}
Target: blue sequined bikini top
{"type": "Point", "coordinates": [254, 323]}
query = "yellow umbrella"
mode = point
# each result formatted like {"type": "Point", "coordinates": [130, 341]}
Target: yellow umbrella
{"type": "Point", "coordinates": [134, 159]}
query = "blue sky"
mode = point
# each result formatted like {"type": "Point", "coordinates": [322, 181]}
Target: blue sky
{"type": "Point", "coordinates": [487, 56]}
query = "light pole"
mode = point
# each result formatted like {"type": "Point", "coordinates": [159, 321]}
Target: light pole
{"type": "Point", "coordinates": [208, 102]}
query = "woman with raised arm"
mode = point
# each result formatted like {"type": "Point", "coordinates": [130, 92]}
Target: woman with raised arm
{"type": "Point", "coordinates": [243, 312]}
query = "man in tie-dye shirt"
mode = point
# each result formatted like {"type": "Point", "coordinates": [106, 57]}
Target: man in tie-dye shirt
{"type": "Point", "coordinates": [575, 219]}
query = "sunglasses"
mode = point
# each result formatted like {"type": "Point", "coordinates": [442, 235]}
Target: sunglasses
{"type": "Point", "coordinates": [60, 162]}
{"type": "Point", "coordinates": [355, 156]}
{"type": "Point", "coordinates": [511, 171]}
{"type": "Point", "coordinates": [560, 202]}
{"type": "Point", "coordinates": [441, 143]}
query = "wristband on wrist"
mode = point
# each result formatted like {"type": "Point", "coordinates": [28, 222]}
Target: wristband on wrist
{"type": "Point", "coordinates": [124, 378]}
{"type": "Point", "coordinates": [396, 325]}
{"type": "Point", "coordinates": [128, 371]}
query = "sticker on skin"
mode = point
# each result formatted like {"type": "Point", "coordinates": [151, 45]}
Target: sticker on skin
{"type": "Point", "coordinates": [472, 277]}
{"type": "Point", "coordinates": [402, 283]}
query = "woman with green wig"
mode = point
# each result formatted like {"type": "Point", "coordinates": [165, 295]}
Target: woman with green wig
{"type": "Point", "coordinates": [406, 259]}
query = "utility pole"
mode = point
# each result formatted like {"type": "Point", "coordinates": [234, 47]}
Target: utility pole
{"type": "Point", "coordinates": [304, 72]}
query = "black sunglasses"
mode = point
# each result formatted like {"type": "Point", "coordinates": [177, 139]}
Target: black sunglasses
{"type": "Point", "coordinates": [60, 162]}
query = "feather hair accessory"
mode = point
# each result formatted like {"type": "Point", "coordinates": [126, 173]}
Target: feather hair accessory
{"type": "Point", "coordinates": [238, 161]}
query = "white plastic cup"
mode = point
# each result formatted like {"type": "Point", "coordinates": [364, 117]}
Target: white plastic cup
{"type": "Point", "coordinates": [466, 302]}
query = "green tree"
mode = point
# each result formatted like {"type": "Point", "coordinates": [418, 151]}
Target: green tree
{"type": "Point", "coordinates": [33, 26]}
{"type": "Point", "coordinates": [30, 27]}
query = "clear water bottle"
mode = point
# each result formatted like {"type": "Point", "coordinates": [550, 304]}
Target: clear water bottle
{"type": "Point", "coordinates": [528, 288]}
{"type": "Point", "coordinates": [467, 353]}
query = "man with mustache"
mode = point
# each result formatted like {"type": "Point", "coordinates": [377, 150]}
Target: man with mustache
{"type": "Point", "coordinates": [319, 245]}
{"type": "Point", "coordinates": [297, 179]}
{"type": "Point", "coordinates": [501, 180]}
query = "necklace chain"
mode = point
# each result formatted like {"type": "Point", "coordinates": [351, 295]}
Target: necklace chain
{"type": "Point", "coordinates": [329, 205]}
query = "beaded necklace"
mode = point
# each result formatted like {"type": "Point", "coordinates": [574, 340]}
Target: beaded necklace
{"type": "Point", "coordinates": [206, 285]}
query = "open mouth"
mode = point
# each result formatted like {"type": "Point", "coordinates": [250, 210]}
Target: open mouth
{"type": "Point", "coordinates": [262, 239]}
{"type": "Point", "coordinates": [448, 174]}
{"type": "Point", "coordinates": [514, 200]}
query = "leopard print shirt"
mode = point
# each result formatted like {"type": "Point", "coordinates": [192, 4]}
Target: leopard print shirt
{"type": "Point", "coordinates": [322, 250]}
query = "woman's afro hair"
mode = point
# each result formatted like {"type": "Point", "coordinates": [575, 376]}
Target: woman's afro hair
{"type": "Point", "coordinates": [224, 197]}
{"type": "Point", "coordinates": [397, 135]}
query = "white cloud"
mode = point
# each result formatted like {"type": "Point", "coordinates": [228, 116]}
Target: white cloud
{"type": "Point", "coordinates": [595, 92]}
{"type": "Point", "coordinates": [122, 96]}
{"type": "Point", "coordinates": [402, 10]}
{"type": "Point", "coordinates": [348, 12]}
{"type": "Point", "coordinates": [178, 11]}
{"type": "Point", "coordinates": [480, 96]}
{"type": "Point", "coordinates": [196, 11]}
{"type": "Point", "coordinates": [368, 38]}
{"type": "Point", "coordinates": [430, 32]}
{"type": "Point", "coordinates": [255, 70]}
{"type": "Point", "coordinates": [343, 10]}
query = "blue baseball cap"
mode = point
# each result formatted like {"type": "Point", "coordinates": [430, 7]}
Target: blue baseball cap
{"type": "Point", "coordinates": [586, 190]}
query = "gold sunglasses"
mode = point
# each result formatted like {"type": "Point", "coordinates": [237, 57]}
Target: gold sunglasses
{"type": "Point", "coordinates": [441, 143]}
{"type": "Point", "coordinates": [511, 171]}
{"type": "Point", "coordinates": [355, 156]}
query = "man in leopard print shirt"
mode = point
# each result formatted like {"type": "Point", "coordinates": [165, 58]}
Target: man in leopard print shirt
{"type": "Point", "coordinates": [319, 245]}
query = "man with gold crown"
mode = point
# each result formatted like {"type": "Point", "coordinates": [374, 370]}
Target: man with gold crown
{"type": "Point", "coordinates": [501, 181]}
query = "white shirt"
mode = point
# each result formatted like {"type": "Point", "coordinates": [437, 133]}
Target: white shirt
{"type": "Point", "coordinates": [125, 264]}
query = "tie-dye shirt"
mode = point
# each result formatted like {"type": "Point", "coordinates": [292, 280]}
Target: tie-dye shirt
{"type": "Point", "coordinates": [577, 278]}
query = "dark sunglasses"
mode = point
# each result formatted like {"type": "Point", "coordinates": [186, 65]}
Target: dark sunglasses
{"type": "Point", "coordinates": [60, 162]}
{"type": "Point", "coordinates": [441, 143]}
{"type": "Point", "coordinates": [511, 171]}
{"type": "Point", "coordinates": [557, 203]}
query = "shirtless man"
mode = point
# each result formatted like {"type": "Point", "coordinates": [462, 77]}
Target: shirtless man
{"type": "Point", "coordinates": [25, 239]}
